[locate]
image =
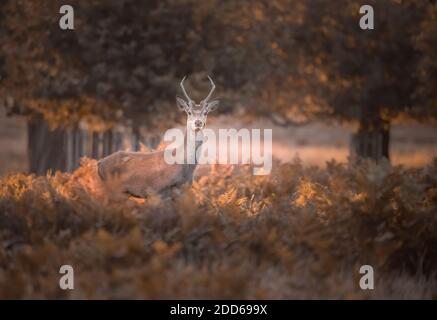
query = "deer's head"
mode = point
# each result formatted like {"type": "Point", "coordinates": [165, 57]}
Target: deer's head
{"type": "Point", "coordinates": [197, 113]}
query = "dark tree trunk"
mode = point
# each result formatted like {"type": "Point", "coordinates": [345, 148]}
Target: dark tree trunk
{"type": "Point", "coordinates": [45, 147]}
{"type": "Point", "coordinates": [372, 141]}
{"type": "Point", "coordinates": [118, 141]}
{"type": "Point", "coordinates": [95, 145]}
{"type": "Point", "coordinates": [107, 143]}
{"type": "Point", "coordinates": [386, 140]}
{"type": "Point", "coordinates": [136, 139]}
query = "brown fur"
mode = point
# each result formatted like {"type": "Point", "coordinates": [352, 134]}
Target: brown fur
{"type": "Point", "coordinates": [141, 174]}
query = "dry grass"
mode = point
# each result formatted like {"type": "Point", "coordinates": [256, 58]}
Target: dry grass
{"type": "Point", "coordinates": [298, 233]}
{"type": "Point", "coordinates": [412, 144]}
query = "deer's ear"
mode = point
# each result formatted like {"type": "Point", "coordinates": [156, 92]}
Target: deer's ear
{"type": "Point", "coordinates": [181, 103]}
{"type": "Point", "coordinates": [211, 106]}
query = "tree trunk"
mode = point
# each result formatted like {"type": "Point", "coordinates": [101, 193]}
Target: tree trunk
{"type": "Point", "coordinates": [118, 137]}
{"type": "Point", "coordinates": [136, 139]}
{"type": "Point", "coordinates": [45, 147]}
{"type": "Point", "coordinates": [95, 145]}
{"type": "Point", "coordinates": [107, 143]}
{"type": "Point", "coordinates": [372, 141]}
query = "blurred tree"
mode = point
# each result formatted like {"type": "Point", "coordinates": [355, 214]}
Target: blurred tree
{"type": "Point", "coordinates": [426, 94]}
{"type": "Point", "coordinates": [330, 67]}
{"type": "Point", "coordinates": [122, 61]}
{"type": "Point", "coordinates": [305, 60]}
{"type": "Point", "coordinates": [291, 60]}
{"type": "Point", "coordinates": [2, 56]}
{"type": "Point", "coordinates": [369, 75]}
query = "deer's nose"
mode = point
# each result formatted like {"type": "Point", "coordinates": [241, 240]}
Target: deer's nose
{"type": "Point", "coordinates": [198, 123]}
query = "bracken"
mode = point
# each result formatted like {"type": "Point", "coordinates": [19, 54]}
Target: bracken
{"type": "Point", "coordinates": [297, 233]}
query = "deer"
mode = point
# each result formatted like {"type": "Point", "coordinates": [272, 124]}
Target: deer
{"type": "Point", "coordinates": [141, 174]}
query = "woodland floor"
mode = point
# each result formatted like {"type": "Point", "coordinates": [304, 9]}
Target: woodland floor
{"type": "Point", "coordinates": [301, 232]}
{"type": "Point", "coordinates": [412, 144]}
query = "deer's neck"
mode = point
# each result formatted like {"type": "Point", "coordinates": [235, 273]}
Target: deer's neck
{"type": "Point", "coordinates": [193, 146]}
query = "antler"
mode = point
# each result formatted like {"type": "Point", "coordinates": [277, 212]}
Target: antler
{"type": "Point", "coordinates": [212, 90]}
{"type": "Point", "coordinates": [183, 90]}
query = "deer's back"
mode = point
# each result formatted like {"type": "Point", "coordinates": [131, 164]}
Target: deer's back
{"type": "Point", "coordinates": [140, 173]}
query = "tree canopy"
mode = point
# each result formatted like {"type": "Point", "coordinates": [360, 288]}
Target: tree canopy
{"type": "Point", "coordinates": [291, 60]}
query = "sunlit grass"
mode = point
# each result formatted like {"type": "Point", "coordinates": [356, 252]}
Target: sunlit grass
{"type": "Point", "coordinates": [301, 232]}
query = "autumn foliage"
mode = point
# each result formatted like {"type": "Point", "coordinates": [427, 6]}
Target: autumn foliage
{"type": "Point", "coordinates": [297, 233]}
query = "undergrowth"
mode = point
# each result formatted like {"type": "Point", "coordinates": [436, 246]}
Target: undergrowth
{"type": "Point", "coordinates": [297, 233]}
